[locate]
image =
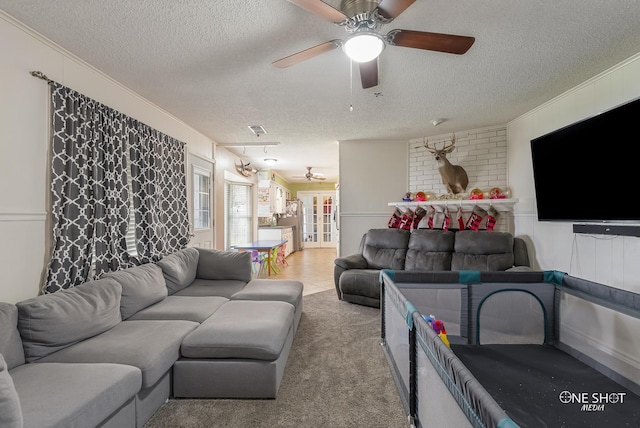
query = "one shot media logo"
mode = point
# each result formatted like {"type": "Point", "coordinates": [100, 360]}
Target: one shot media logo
{"type": "Point", "coordinates": [592, 401]}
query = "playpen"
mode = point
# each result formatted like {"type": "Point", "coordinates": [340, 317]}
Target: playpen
{"type": "Point", "coordinates": [528, 349]}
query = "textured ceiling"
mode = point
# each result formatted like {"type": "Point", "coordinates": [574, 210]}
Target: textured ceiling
{"type": "Point", "coordinates": [209, 64]}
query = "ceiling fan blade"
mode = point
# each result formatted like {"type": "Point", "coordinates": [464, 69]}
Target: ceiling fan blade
{"type": "Point", "coordinates": [321, 9]}
{"type": "Point", "coordinates": [447, 43]}
{"type": "Point", "coordinates": [307, 54]}
{"type": "Point", "coordinates": [390, 9]}
{"type": "Point", "coordinates": [369, 73]}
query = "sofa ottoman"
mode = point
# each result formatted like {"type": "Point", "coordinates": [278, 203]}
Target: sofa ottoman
{"type": "Point", "coordinates": [283, 290]}
{"type": "Point", "coordinates": [238, 352]}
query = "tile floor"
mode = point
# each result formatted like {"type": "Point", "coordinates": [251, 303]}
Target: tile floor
{"type": "Point", "coordinates": [312, 266]}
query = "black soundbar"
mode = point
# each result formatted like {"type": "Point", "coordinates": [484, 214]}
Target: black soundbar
{"type": "Point", "coordinates": [603, 229]}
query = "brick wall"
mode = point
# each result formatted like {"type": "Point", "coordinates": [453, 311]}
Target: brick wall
{"type": "Point", "coordinates": [481, 152]}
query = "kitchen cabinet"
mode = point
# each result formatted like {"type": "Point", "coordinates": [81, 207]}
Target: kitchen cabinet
{"type": "Point", "coordinates": [278, 233]}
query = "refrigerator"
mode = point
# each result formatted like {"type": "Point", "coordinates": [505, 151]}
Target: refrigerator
{"type": "Point", "coordinates": [292, 216]}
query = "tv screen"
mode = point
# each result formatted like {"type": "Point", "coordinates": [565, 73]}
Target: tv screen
{"type": "Point", "coordinates": [587, 171]}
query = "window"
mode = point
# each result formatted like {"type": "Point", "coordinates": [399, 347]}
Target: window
{"type": "Point", "coordinates": [237, 217]}
{"type": "Point", "coordinates": [201, 198]}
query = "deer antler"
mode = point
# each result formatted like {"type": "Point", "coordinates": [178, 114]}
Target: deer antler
{"type": "Point", "coordinates": [451, 144]}
{"type": "Point", "coordinates": [425, 143]}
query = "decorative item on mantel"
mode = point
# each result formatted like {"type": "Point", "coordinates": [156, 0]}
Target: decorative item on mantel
{"type": "Point", "coordinates": [477, 205]}
{"type": "Point", "coordinates": [454, 177]}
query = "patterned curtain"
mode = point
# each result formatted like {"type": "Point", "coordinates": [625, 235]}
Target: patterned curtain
{"type": "Point", "coordinates": [89, 193]}
{"type": "Point", "coordinates": [159, 194]}
{"type": "Point", "coordinates": [93, 147]}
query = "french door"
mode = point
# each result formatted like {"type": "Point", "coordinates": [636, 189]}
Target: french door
{"type": "Point", "coordinates": [318, 219]}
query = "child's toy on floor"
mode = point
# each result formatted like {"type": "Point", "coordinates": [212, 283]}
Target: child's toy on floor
{"type": "Point", "coordinates": [438, 327]}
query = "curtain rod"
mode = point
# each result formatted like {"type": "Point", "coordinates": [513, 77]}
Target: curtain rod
{"type": "Point", "coordinates": [41, 75]}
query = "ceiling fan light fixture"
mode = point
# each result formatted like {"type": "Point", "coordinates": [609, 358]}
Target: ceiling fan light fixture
{"type": "Point", "coordinates": [363, 46]}
{"type": "Point", "coordinates": [270, 161]}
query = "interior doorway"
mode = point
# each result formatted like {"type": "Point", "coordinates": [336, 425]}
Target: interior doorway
{"type": "Point", "coordinates": [318, 219]}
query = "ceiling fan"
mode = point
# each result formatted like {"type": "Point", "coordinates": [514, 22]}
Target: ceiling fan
{"type": "Point", "coordinates": [311, 175]}
{"type": "Point", "coordinates": [246, 169]}
{"type": "Point", "coordinates": [362, 19]}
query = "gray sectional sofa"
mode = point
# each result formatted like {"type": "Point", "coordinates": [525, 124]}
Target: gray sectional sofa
{"type": "Point", "coordinates": [356, 276]}
{"type": "Point", "coordinates": [110, 352]}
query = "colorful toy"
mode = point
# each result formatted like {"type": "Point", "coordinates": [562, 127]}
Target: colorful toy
{"type": "Point", "coordinates": [408, 197]}
{"type": "Point", "coordinates": [438, 327]}
{"type": "Point", "coordinates": [496, 193]}
{"type": "Point", "coordinates": [476, 194]}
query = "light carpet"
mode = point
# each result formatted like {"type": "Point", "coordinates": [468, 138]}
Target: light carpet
{"type": "Point", "coordinates": [336, 376]}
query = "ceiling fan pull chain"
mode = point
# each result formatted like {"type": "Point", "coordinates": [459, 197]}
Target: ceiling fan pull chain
{"type": "Point", "coordinates": [351, 84]}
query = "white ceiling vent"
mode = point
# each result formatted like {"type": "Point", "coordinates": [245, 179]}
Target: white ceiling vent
{"type": "Point", "coordinates": [257, 129]}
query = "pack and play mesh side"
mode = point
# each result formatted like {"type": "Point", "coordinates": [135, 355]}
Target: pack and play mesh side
{"type": "Point", "coordinates": [447, 393]}
{"type": "Point", "coordinates": [528, 341]}
{"type": "Point", "coordinates": [395, 339]}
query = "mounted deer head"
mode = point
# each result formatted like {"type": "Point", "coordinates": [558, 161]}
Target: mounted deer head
{"type": "Point", "coordinates": [454, 177]}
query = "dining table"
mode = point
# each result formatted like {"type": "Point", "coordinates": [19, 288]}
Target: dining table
{"type": "Point", "coordinates": [268, 246]}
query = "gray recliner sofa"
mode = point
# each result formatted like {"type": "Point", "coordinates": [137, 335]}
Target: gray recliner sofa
{"type": "Point", "coordinates": [356, 276]}
{"type": "Point", "coordinates": [110, 352]}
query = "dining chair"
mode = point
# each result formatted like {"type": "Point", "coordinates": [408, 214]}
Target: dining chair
{"type": "Point", "coordinates": [280, 258]}
{"type": "Point", "coordinates": [257, 263]}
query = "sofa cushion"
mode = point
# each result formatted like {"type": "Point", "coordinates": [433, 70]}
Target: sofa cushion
{"type": "Point", "coordinates": [282, 290]}
{"type": "Point", "coordinates": [196, 309]}
{"type": "Point", "coordinates": [242, 329]}
{"type": "Point", "coordinates": [483, 251]}
{"type": "Point", "coordinates": [430, 250]}
{"type": "Point", "coordinates": [53, 322]}
{"type": "Point", "coordinates": [206, 287]}
{"type": "Point", "coordinates": [216, 264]}
{"type": "Point", "coordinates": [73, 395]}
{"type": "Point", "coordinates": [142, 286]}
{"type": "Point", "coordinates": [179, 268]}
{"type": "Point", "coordinates": [10, 342]}
{"type": "Point", "coordinates": [151, 346]}
{"type": "Point", "coordinates": [386, 248]}
{"type": "Point", "coordinates": [10, 410]}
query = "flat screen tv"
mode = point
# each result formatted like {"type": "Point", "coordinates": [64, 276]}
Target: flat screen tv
{"type": "Point", "coordinates": [588, 171]}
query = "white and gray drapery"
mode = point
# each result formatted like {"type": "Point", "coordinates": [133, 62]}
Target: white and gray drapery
{"type": "Point", "coordinates": [159, 193]}
{"type": "Point", "coordinates": [91, 148]}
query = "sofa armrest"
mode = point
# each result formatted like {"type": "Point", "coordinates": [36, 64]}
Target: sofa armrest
{"type": "Point", "coordinates": [520, 252]}
{"type": "Point", "coordinates": [355, 261]}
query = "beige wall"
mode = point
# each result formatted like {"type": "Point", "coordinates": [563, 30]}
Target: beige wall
{"type": "Point", "coordinates": [372, 174]}
{"type": "Point", "coordinates": [24, 145]}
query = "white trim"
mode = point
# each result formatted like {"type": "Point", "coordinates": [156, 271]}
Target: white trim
{"type": "Point", "coordinates": [233, 178]}
{"type": "Point", "coordinates": [364, 214]}
{"type": "Point", "coordinates": [202, 157]}
{"type": "Point", "coordinates": [23, 216]}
